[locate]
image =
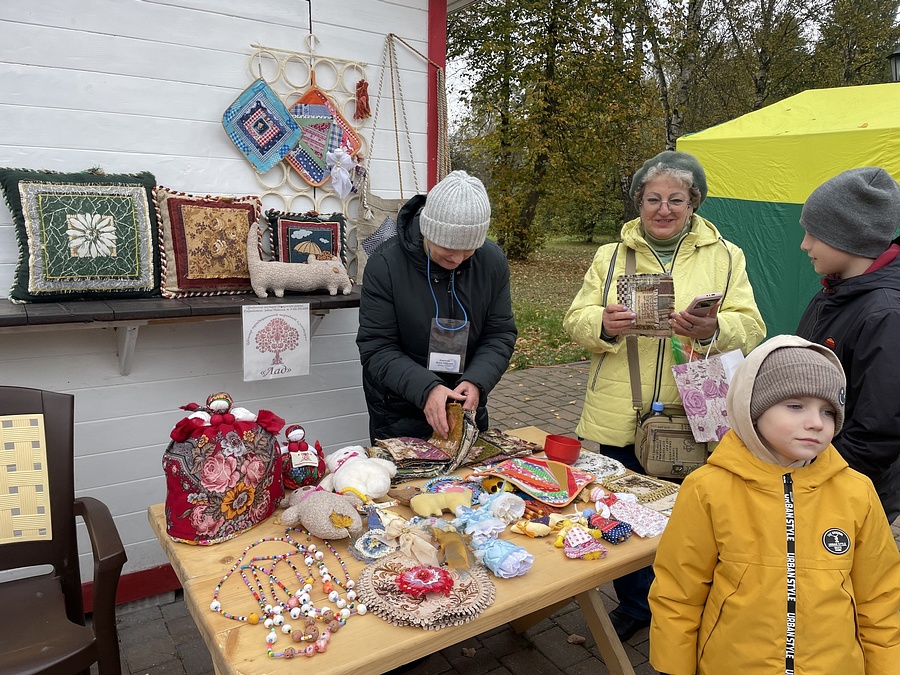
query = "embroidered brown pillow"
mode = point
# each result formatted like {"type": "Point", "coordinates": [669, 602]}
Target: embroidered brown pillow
{"type": "Point", "coordinates": [203, 241]}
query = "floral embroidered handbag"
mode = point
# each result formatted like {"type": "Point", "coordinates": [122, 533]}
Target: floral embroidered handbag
{"type": "Point", "coordinates": [223, 471]}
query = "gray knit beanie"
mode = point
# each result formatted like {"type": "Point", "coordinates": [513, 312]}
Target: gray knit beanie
{"type": "Point", "coordinates": [857, 211]}
{"type": "Point", "coordinates": [457, 213]}
{"type": "Point", "coordinates": [791, 372]}
{"type": "Point", "coordinates": [674, 160]}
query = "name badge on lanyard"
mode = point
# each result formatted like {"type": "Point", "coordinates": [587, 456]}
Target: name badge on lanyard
{"type": "Point", "coordinates": [447, 345]}
{"type": "Point", "coordinates": [449, 337]}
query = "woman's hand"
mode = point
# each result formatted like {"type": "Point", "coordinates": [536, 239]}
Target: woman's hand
{"type": "Point", "coordinates": [694, 326]}
{"type": "Point", "coordinates": [616, 319]}
{"type": "Point", "coordinates": [436, 409]}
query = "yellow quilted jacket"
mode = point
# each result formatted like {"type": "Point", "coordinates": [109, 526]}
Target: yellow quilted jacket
{"type": "Point", "coordinates": [704, 262]}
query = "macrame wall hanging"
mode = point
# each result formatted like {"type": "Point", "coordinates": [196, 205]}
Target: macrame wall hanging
{"type": "Point", "coordinates": [377, 218]}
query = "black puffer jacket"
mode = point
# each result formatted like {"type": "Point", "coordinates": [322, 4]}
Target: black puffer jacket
{"type": "Point", "coordinates": [859, 318]}
{"type": "Point", "coordinates": [395, 314]}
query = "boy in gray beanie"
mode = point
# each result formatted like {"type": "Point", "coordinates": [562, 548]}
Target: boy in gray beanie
{"type": "Point", "coordinates": [435, 316]}
{"type": "Point", "coordinates": [850, 222]}
{"type": "Point", "coordinates": [774, 528]}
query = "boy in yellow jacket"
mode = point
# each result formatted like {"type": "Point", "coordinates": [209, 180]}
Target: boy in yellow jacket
{"type": "Point", "coordinates": [778, 557]}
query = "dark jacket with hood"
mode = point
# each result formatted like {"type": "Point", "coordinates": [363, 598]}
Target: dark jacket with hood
{"type": "Point", "coordinates": [395, 314]}
{"type": "Point", "coordinates": [859, 318]}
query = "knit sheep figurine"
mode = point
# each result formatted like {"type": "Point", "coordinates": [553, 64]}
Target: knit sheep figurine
{"type": "Point", "coordinates": [312, 275]}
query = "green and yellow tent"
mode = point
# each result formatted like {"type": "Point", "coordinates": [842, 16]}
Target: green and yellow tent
{"type": "Point", "coordinates": [762, 166]}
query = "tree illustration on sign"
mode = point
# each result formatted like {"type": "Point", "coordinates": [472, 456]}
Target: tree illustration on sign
{"type": "Point", "coordinates": [277, 337]}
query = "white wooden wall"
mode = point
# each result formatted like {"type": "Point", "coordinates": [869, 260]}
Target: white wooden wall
{"type": "Point", "coordinates": [131, 85]}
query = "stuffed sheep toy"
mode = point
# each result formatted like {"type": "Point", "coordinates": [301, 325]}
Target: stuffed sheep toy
{"type": "Point", "coordinates": [352, 469]}
{"type": "Point", "coordinates": [324, 514]}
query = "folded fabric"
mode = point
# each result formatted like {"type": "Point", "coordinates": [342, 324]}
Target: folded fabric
{"type": "Point", "coordinates": [493, 445]}
{"type": "Point", "coordinates": [407, 449]}
{"type": "Point", "coordinates": [553, 483]}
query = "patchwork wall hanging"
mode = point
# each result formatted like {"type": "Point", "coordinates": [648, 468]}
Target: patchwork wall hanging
{"type": "Point", "coordinates": [87, 234]}
{"type": "Point", "coordinates": [288, 73]}
{"type": "Point", "coordinates": [296, 237]}
{"type": "Point", "coordinates": [202, 242]}
{"type": "Point", "coordinates": [323, 130]}
{"type": "Point", "coordinates": [259, 124]}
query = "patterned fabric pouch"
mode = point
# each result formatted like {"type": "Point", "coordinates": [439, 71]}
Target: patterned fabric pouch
{"type": "Point", "coordinates": [494, 446]}
{"type": "Point", "coordinates": [550, 482]}
{"type": "Point", "coordinates": [223, 471]}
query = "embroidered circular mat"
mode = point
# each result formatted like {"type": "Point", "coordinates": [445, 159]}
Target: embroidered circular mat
{"type": "Point", "coordinates": [377, 588]}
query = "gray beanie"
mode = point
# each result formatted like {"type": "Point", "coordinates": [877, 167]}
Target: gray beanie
{"type": "Point", "coordinates": [857, 211]}
{"type": "Point", "coordinates": [457, 213]}
{"type": "Point", "coordinates": [790, 372]}
{"type": "Point", "coordinates": [673, 160]}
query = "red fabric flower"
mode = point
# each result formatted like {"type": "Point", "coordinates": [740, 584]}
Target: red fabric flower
{"type": "Point", "coordinates": [417, 581]}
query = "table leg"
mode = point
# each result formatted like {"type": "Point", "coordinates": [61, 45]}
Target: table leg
{"type": "Point", "coordinates": [523, 623]}
{"type": "Point", "coordinates": [608, 642]}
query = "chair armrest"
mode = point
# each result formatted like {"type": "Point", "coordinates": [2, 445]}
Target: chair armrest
{"type": "Point", "coordinates": [109, 553]}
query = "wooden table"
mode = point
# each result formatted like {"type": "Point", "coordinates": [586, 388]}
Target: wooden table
{"type": "Point", "coordinates": [367, 644]}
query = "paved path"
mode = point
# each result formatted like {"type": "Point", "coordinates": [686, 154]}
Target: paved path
{"type": "Point", "coordinates": [158, 636]}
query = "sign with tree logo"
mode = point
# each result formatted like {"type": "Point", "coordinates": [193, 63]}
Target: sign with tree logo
{"type": "Point", "coordinates": [276, 341]}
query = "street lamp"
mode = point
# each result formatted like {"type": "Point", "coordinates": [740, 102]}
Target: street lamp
{"type": "Point", "coordinates": [895, 65]}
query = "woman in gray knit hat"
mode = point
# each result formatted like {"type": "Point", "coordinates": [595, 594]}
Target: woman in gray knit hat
{"type": "Point", "coordinates": [668, 237]}
{"type": "Point", "coordinates": [435, 317]}
{"type": "Point", "coordinates": [850, 222]}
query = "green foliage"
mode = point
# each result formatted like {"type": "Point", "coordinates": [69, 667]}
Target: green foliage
{"type": "Point", "coordinates": [542, 290]}
{"type": "Point", "coordinates": [567, 98]}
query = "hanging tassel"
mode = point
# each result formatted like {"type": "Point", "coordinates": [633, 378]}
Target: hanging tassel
{"type": "Point", "coordinates": [362, 101]}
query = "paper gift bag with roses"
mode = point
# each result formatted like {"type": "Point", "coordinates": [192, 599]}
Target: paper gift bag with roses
{"type": "Point", "coordinates": [703, 385]}
{"type": "Point", "coordinates": [223, 471]}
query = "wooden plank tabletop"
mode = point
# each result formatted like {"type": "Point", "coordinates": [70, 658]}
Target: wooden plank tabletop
{"type": "Point", "coordinates": [368, 644]}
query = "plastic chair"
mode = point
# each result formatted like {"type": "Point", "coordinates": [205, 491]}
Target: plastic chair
{"type": "Point", "coordinates": [42, 622]}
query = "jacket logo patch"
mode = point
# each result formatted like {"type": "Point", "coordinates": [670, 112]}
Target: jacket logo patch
{"type": "Point", "coordinates": [836, 541]}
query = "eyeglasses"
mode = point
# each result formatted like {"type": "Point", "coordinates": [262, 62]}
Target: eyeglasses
{"type": "Point", "coordinates": [655, 203]}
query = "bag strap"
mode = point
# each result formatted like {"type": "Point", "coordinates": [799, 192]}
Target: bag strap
{"type": "Point", "coordinates": [631, 343]}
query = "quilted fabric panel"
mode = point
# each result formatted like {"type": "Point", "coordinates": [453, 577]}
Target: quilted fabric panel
{"type": "Point", "coordinates": [203, 242]}
{"type": "Point", "coordinates": [261, 127]}
{"type": "Point", "coordinates": [82, 234]}
{"type": "Point", "coordinates": [298, 236]}
{"type": "Point", "coordinates": [323, 130]}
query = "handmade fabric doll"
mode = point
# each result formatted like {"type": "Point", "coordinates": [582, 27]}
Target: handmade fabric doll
{"type": "Point", "coordinates": [302, 465]}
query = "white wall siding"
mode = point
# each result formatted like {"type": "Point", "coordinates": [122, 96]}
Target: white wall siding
{"type": "Point", "coordinates": [133, 85]}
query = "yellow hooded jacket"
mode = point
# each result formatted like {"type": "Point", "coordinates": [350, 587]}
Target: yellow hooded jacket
{"type": "Point", "coordinates": [704, 262]}
{"type": "Point", "coordinates": [724, 576]}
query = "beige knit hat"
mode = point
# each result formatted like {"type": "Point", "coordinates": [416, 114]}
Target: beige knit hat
{"type": "Point", "coordinates": [790, 372]}
{"type": "Point", "coordinates": [457, 213]}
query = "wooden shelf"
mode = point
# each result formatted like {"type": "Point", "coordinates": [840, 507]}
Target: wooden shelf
{"type": "Point", "coordinates": [127, 315]}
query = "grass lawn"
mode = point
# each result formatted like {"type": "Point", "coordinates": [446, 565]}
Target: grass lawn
{"type": "Point", "coordinates": [542, 290]}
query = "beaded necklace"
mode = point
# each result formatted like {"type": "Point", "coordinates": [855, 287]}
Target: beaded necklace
{"type": "Point", "coordinates": [274, 610]}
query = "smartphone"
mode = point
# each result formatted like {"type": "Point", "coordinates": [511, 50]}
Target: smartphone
{"type": "Point", "coordinates": [702, 305]}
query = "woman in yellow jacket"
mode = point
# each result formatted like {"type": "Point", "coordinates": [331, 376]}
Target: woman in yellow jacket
{"type": "Point", "coordinates": [668, 237]}
{"type": "Point", "coordinates": [778, 557]}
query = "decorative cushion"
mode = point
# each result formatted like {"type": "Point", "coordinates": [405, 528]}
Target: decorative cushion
{"type": "Point", "coordinates": [82, 234]}
{"type": "Point", "coordinates": [260, 126]}
{"type": "Point", "coordinates": [323, 130]}
{"type": "Point", "coordinates": [203, 242]}
{"type": "Point", "coordinates": [297, 236]}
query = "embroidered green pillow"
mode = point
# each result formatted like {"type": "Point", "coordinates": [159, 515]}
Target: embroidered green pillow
{"type": "Point", "coordinates": [83, 234]}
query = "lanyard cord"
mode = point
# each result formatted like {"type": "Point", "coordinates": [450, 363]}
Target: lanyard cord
{"type": "Point", "coordinates": [437, 319]}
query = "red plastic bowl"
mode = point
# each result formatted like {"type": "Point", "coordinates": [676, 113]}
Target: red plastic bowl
{"type": "Point", "coordinates": [562, 448]}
